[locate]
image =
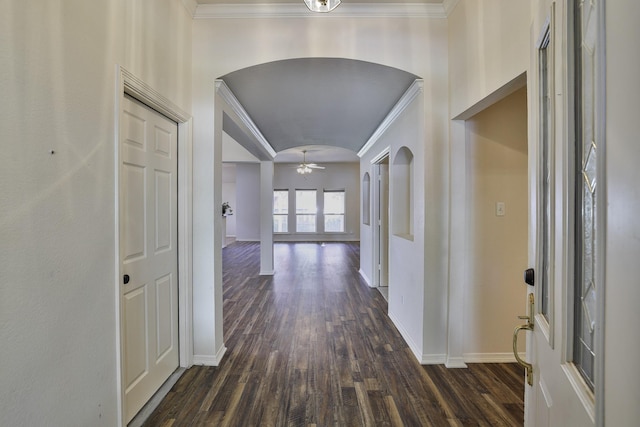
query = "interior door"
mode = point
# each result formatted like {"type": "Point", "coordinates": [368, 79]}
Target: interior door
{"type": "Point", "coordinates": [563, 231]}
{"type": "Point", "coordinates": [148, 248]}
{"type": "Point", "coordinates": [383, 224]}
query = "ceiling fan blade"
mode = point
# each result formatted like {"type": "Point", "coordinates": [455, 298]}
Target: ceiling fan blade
{"type": "Point", "coordinates": [314, 166]}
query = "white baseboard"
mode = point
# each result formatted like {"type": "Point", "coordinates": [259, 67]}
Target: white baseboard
{"type": "Point", "coordinates": [267, 273]}
{"type": "Point", "coordinates": [365, 278]}
{"type": "Point", "coordinates": [490, 357]}
{"type": "Point", "coordinates": [208, 360]}
{"type": "Point", "coordinates": [423, 359]}
{"type": "Point", "coordinates": [433, 359]}
{"type": "Point", "coordinates": [455, 362]}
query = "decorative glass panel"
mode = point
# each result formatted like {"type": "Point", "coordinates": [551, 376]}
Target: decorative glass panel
{"type": "Point", "coordinates": [546, 139]}
{"type": "Point", "coordinates": [586, 179]}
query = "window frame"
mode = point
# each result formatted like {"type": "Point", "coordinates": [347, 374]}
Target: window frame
{"type": "Point", "coordinates": [285, 214]}
{"type": "Point", "coordinates": [300, 214]}
{"type": "Point", "coordinates": [343, 214]}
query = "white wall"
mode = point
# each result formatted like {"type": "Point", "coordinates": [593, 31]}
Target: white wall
{"type": "Point", "coordinates": [496, 171]}
{"type": "Point", "coordinates": [488, 47]}
{"type": "Point", "coordinates": [247, 211]}
{"type": "Point", "coordinates": [229, 195]}
{"type": "Point", "coordinates": [417, 278]}
{"type": "Point", "coordinates": [417, 45]}
{"type": "Point", "coordinates": [57, 228]}
{"type": "Point", "coordinates": [336, 176]}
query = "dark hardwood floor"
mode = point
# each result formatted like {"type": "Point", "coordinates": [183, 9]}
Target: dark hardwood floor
{"type": "Point", "coordinates": [313, 346]}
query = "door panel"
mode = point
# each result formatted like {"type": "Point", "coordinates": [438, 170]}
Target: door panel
{"type": "Point", "coordinates": [560, 396]}
{"type": "Point", "coordinates": [148, 232]}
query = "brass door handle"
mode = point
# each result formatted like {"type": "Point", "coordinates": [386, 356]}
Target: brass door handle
{"type": "Point", "coordinates": [527, 327]}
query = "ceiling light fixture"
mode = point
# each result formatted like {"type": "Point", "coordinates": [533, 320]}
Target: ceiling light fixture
{"type": "Point", "coordinates": [303, 169]}
{"type": "Point", "coordinates": [322, 6]}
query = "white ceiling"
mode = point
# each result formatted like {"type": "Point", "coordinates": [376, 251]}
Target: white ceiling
{"type": "Point", "coordinates": [329, 106]}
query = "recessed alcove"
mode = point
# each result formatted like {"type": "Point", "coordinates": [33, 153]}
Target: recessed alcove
{"type": "Point", "coordinates": [402, 187]}
{"type": "Point", "coordinates": [366, 199]}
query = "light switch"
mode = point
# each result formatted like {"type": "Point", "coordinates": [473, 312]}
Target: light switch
{"type": "Point", "coordinates": [499, 208]}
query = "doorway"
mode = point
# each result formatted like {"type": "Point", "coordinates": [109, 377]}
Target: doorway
{"type": "Point", "coordinates": [168, 234]}
{"type": "Point", "coordinates": [381, 221]}
{"type": "Point", "coordinates": [497, 218]}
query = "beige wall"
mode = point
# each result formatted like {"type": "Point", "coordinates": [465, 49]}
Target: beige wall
{"type": "Point", "coordinates": [497, 172]}
{"type": "Point", "coordinates": [57, 227]}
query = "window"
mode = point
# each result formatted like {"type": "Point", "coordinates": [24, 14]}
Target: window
{"type": "Point", "coordinates": [280, 211]}
{"type": "Point", "coordinates": [306, 208]}
{"type": "Point", "coordinates": [334, 211]}
{"type": "Point", "coordinates": [588, 249]}
{"type": "Point", "coordinates": [546, 138]}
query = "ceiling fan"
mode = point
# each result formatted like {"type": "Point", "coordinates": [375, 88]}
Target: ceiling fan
{"type": "Point", "coordinates": [304, 167]}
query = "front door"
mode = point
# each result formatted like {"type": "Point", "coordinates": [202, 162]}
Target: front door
{"type": "Point", "coordinates": [148, 248]}
{"type": "Point", "coordinates": [564, 233]}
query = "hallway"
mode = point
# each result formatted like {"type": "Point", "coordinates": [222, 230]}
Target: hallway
{"type": "Point", "coordinates": [312, 345]}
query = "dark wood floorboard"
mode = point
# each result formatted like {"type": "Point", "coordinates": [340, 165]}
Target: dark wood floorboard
{"type": "Point", "coordinates": [313, 346]}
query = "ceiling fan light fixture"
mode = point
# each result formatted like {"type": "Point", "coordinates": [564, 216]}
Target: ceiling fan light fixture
{"type": "Point", "coordinates": [302, 170]}
{"type": "Point", "coordinates": [322, 6]}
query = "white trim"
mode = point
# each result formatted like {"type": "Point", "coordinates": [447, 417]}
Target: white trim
{"type": "Point", "coordinates": [365, 278]}
{"type": "Point", "coordinates": [127, 83]}
{"type": "Point", "coordinates": [191, 6]}
{"type": "Point", "coordinates": [584, 394]}
{"type": "Point", "coordinates": [380, 157]}
{"type": "Point", "coordinates": [548, 35]}
{"type": "Point", "coordinates": [433, 359]}
{"type": "Point", "coordinates": [423, 359]}
{"type": "Point", "coordinates": [601, 211]}
{"type": "Point", "coordinates": [144, 93]}
{"type": "Point", "coordinates": [267, 273]}
{"type": "Point", "coordinates": [225, 93]}
{"type": "Point", "coordinates": [491, 357]}
{"type": "Point", "coordinates": [455, 363]}
{"type": "Point", "coordinates": [345, 10]}
{"type": "Point", "coordinates": [208, 360]}
{"type": "Point", "coordinates": [497, 95]}
{"type": "Point", "coordinates": [449, 6]}
{"type": "Point", "coordinates": [410, 94]}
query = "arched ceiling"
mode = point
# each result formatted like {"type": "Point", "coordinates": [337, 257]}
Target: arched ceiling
{"type": "Point", "coordinates": [318, 101]}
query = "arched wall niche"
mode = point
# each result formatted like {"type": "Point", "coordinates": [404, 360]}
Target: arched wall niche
{"type": "Point", "coordinates": [366, 199]}
{"type": "Point", "coordinates": [402, 188]}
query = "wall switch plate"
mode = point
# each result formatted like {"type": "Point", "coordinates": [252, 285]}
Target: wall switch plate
{"type": "Point", "coordinates": [499, 208]}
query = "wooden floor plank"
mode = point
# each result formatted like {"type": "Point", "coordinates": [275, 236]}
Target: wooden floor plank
{"type": "Point", "coordinates": [313, 346]}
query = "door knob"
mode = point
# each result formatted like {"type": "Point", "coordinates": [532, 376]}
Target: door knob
{"type": "Point", "coordinates": [125, 279]}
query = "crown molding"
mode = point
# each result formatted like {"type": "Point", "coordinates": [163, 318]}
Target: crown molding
{"type": "Point", "coordinates": [223, 90]}
{"type": "Point", "coordinates": [449, 6]}
{"type": "Point", "coordinates": [402, 104]}
{"type": "Point", "coordinates": [345, 10]}
{"type": "Point", "coordinates": [191, 6]}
